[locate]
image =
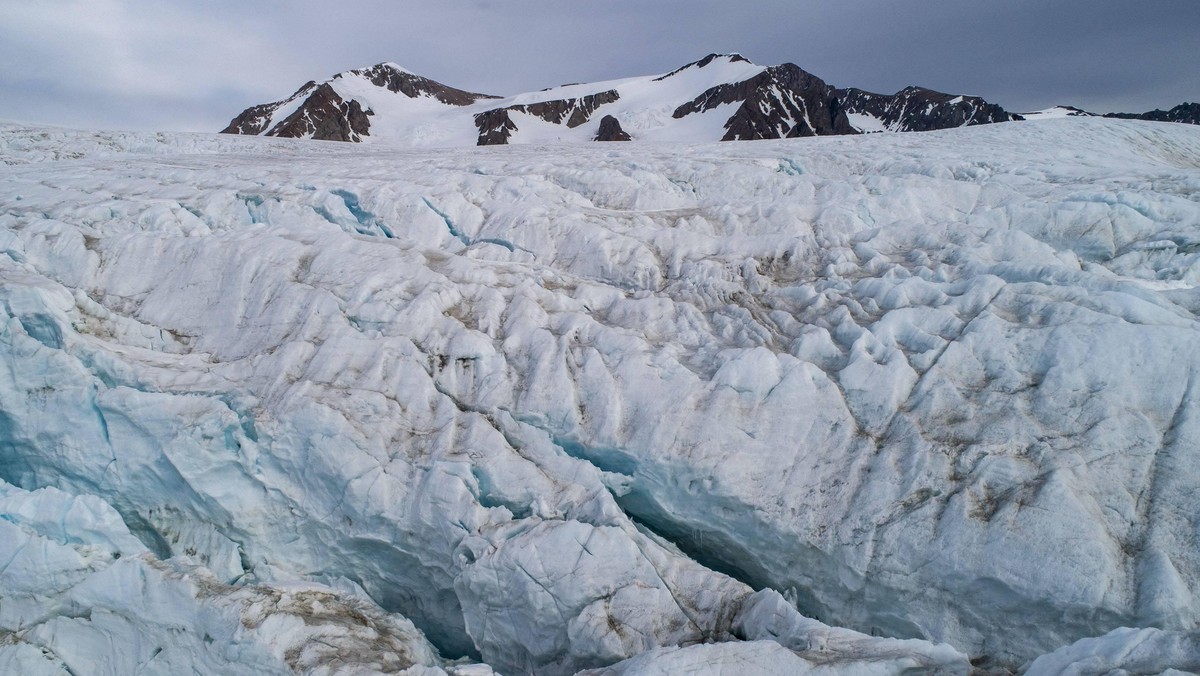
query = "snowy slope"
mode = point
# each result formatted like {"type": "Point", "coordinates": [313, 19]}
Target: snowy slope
{"type": "Point", "coordinates": [564, 409]}
{"type": "Point", "coordinates": [1056, 113]}
{"type": "Point", "coordinates": [645, 105]}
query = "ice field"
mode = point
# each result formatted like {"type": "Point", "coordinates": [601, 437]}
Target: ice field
{"type": "Point", "coordinates": [896, 403]}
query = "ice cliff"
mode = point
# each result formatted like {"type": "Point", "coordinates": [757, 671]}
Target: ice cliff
{"type": "Point", "coordinates": [873, 405]}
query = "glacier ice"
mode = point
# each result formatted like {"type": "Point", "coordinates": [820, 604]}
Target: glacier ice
{"type": "Point", "coordinates": [81, 594]}
{"type": "Point", "coordinates": [1124, 651]}
{"type": "Point", "coordinates": [560, 408]}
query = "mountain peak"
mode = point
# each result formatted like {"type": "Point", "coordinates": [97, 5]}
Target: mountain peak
{"type": "Point", "coordinates": [733, 57]}
{"type": "Point", "coordinates": [394, 66]}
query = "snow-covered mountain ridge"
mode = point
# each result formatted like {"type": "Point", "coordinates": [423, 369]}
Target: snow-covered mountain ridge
{"type": "Point", "coordinates": [878, 404]}
{"type": "Point", "coordinates": [719, 97]}
{"type": "Point", "coordinates": [1186, 113]}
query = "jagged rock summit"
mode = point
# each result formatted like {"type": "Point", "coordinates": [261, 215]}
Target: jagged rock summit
{"type": "Point", "coordinates": [722, 97]}
{"type": "Point", "coordinates": [917, 109]}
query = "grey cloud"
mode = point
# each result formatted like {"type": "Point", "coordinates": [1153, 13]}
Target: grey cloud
{"type": "Point", "coordinates": [193, 65]}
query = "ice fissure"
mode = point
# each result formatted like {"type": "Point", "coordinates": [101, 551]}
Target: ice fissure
{"type": "Point", "coordinates": [585, 408]}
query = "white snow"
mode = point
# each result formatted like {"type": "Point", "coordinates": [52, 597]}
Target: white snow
{"type": "Point", "coordinates": [401, 120]}
{"type": "Point", "coordinates": [1055, 113]}
{"type": "Point", "coordinates": [866, 124]}
{"type": "Point", "coordinates": [530, 401]}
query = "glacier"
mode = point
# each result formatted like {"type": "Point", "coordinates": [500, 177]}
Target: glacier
{"type": "Point", "coordinates": [885, 404]}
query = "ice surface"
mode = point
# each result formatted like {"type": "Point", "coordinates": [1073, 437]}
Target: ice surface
{"type": "Point", "coordinates": [81, 595]}
{"type": "Point", "coordinates": [566, 408]}
{"type": "Point", "coordinates": [1124, 651]}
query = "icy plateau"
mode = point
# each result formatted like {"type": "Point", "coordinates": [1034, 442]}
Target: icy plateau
{"type": "Point", "coordinates": [888, 404]}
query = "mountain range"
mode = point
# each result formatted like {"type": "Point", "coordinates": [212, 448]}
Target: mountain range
{"type": "Point", "coordinates": [722, 97]}
{"type": "Point", "coordinates": [1187, 113]}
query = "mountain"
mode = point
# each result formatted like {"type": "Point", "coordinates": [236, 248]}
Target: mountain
{"type": "Point", "coordinates": [1188, 113]}
{"type": "Point", "coordinates": [720, 97]}
{"type": "Point", "coordinates": [340, 109]}
{"type": "Point", "coordinates": [917, 109]}
{"type": "Point", "coordinates": [1057, 112]}
{"type": "Point", "coordinates": [909, 404]}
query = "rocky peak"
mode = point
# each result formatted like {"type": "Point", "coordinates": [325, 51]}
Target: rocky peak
{"type": "Point", "coordinates": [327, 116]}
{"type": "Point", "coordinates": [256, 120]}
{"type": "Point", "coordinates": [920, 109]}
{"type": "Point", "coordinates": [728, 58]}
{"type": "Point", "coordinates": [781, 102]}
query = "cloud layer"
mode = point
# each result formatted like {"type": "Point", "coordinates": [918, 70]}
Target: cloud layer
{"type": "Point", "coordinates": [192, 65]}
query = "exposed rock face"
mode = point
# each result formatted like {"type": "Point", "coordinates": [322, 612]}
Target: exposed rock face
{"type": "Point", "coordinates": [256, 120]}
{"type": "Point", "coordinates": [572, 112]}
{"type": "Point", "coordinates": [781, 102]}
{"type": "Point", "coordinates": [1187, 113]}
{"type": "Point", "coordinates": [325, 116]}
{"type": "Point", "coordinates": [610, 130]}
{"type": "Point", "coordinates": [496, 126]}
{"type": "Point", "coordinates": [920, 109]}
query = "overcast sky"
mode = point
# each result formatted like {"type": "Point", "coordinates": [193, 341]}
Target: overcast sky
{"type": "Point", "coordinates": [193, 65]}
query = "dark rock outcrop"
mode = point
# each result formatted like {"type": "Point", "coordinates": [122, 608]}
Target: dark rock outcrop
{"type": "Point", "coordinates": [495, 127]}
{"type": "Point", "coordinates": [256, 119]}
{"type": "Point", "coordinates": [733, 58]}
{"type": "Point", "coordinates": [1187, 113]}
{"type": "Point", "coordinates": [920, 109]}
{"type": "Point", "coordinates": [781, 102]}
{"type": "Point", "coordinates": [573, 111]}
{"type": "Point", "coordinates": [325, 116]}
{"type": "Point", "coordinates": [610, 130]}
